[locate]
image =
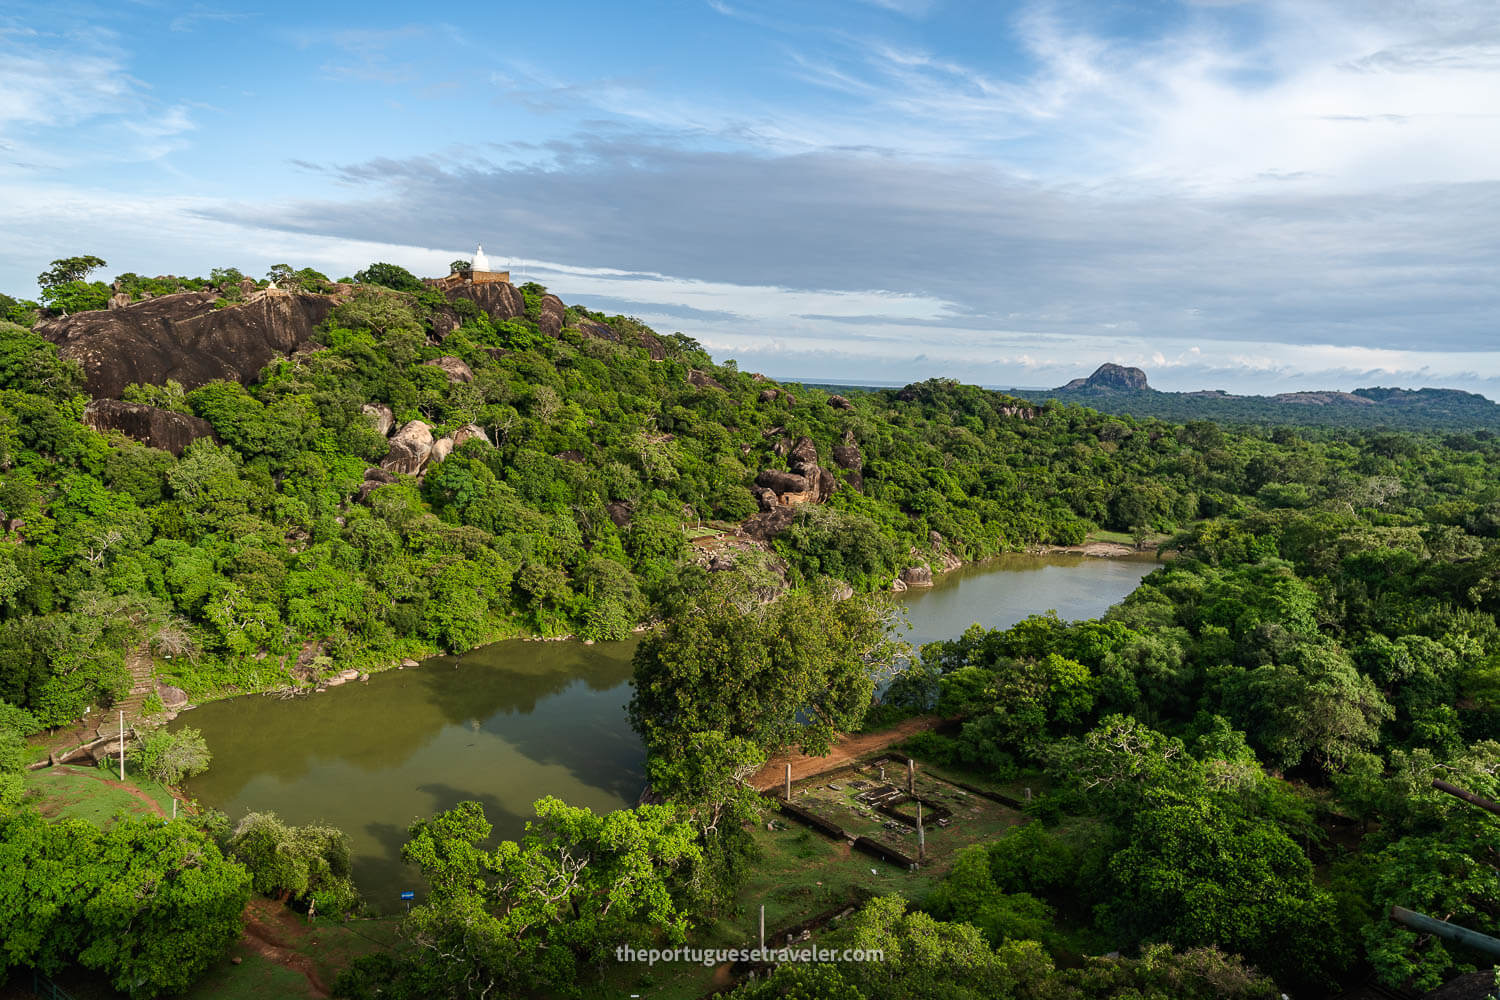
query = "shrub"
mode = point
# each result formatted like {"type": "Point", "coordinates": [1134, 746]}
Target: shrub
{"type": "Point", "coordinates": [169, 756]}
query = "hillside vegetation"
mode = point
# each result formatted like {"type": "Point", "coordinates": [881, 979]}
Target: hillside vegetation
{"type": "Point", "coordinates": [268, 554]}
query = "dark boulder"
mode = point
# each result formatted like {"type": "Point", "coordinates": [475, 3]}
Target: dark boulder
{"type": "Point", "coordinates": [553, 313]}
{"type": "Point", "coordinates": [149, 425]}
{"type": "Point", "coordinates": [500, 299]}
{"type": "Point", "coordinates": [782, 482]}
{"type": "Point", "coordinates": [848, 456]}
{"type": "Point", "coordinates": [702, 380]}
{"type": "Point", "coordinates": [769, 523]}
{"type": "Point", "coordinates": [619, 512]}
{"type": "Point", "coordinates": [827, 483]}
{"type": "Point", "coordinates": [598, 331]}
{"type": "Point", "coordinates": [182, 336]}
{"type": "Point", "coordinates": [767, 395]}
{"type": "Point", "coordinates": [840, 403]}
{"type": "Point", "coordinates": [803, 456]}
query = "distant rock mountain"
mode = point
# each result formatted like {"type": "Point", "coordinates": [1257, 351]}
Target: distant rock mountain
{"type": "Point", "coordinates": [1110, 378]}
{"type": "Point", "coordinates": [1119, 389]}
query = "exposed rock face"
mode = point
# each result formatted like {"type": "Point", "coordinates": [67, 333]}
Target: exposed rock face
{"type": "Point", "coordinates": [1024, 412]}
{"type": "Point", "coordinates": [840, 403]}
{"type": "Point", "coordinates": [769, 523]}
{"type": "Point", "coordinates": [453, 367]}
{"type": "Point", "coordinates": [1111, 378]}
{"type": "Point", "coordinates": [381, 416]}
{"type": "Point", "coordinates": [374, 479]}
{"type": "Point", "coordinates": [778, 481]}
{"type": "Point", "coordinates": [441, 449]}
{"type": "Point", "coordinates": [500, 299]}
{"type": "Point", "coordinates": [409, 449]}
{"type": "Point", "coordinates": [469, 432]}
{"type": "Point", "coordinates": [804, 455]}
{"type": "Point", "coordinates": [642, 338]}
{"type": "Point", "coordinates": [1322, 398]}
{"type": "Point", "coordinates": [619, 512]}
{"type": "Point", "coordinates": [916, 576]}
{"type": "Point", "coordinates": [767, 395]}
{"type": "Point", "coordinates": [777, 491]}
{"type": "Point", "coordinates": [553, 314]}
{"type": "Point", "coordinates": [183, 337]}
{"type": "Point", "coordinates": [162, 429]}
{"type": "Point", "coordinates": [848, 456]}
{"type": "Point", "coordinates": [702, 380]}
{"type": "Point", "coordinates": [171, 697]}
{"type": "Point", "coordinates": [598, 331]}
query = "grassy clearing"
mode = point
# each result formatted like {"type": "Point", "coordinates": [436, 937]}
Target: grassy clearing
{"type": "Point", "coordinates": [839, 796]}
{"type": "Point", "coordinates": [71, 791]}
{"type": "Point", "coordinates": [802, 874]}
{"type": "Point", "coordinates": [282, 955]}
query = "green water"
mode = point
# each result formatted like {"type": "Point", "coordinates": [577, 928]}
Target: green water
{"type": "Point", "coordinates": [510, 723]}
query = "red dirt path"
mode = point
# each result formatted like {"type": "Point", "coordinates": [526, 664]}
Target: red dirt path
{"type": "Point", "coordinates": [844, 752]}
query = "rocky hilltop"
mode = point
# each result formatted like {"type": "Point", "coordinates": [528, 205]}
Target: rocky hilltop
{"type": "Point", "coordinates": [1110, 378]}
{"type": "Point", "coordinates": [185, 337]}
{"type": "Point", "coordinates": [195, 337]}
{"type": "Point", "coordinates": [1120, 389]}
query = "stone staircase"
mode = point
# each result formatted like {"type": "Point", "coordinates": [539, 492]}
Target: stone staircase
{"type": "Point", "coordinates": [142, 683]}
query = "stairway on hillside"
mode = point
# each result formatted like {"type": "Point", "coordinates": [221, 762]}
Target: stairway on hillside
{"type": "Point", "coordinates": [142, 683]}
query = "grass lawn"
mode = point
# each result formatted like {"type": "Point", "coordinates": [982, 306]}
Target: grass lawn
{"type": "Point", "coordinates": [282, 955]}
{"type": "Point", "coordinates": [89, 793]}
{"type": "Point", "coordinates": [802, 874]}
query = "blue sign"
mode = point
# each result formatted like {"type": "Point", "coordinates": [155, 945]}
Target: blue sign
{"type": "Point", "coordinates": [408, 894]}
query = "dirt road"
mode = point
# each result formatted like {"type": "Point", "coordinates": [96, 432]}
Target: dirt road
{"type": "Point", "coordinates": [845, 751]}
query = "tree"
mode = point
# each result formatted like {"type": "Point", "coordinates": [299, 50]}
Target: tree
{"type": "Point", "coordinates": [757, 672]}
{"type": "Point", "coordinates": [169, 756]}
{"type": "Point", "coordinates": [391, 276]}
{"type": "Point", "coordinates": [521, 918]}
{"type": "Point", "coordinates": [1192, 873]}
{"type": "Point", "coordinates": [461, 266]}
{"type": "Point", "coordinates": [151, 904]}
{"type": "Point", "coordinates": [302, 862]}
{"type": "Point", "coordinates": [67, 270]}
{"type": "Point", "coordinates": [30, 364]}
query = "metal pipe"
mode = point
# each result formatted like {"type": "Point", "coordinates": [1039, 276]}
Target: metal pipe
{"type": "Point", "coordinates": [1449, 932]}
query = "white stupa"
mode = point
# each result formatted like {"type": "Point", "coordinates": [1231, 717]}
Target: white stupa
{"type": "Point", "coordinates": [481, 262]}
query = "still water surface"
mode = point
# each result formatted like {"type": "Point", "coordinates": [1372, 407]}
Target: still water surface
{"type": "Point", "coordinates": [512, 722]}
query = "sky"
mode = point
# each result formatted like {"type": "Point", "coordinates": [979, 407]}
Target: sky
{"type": "Point", "coordinates": [1257, 196]}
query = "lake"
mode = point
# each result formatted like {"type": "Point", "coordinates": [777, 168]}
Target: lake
{"type": "Point", "coordinates": [512, 722]}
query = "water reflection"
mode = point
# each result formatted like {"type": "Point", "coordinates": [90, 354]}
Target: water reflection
{"type": "Point", "coordinates": [510, 723]}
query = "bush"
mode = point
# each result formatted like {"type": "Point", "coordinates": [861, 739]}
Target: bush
{"type": "Point", "coordinates": [300, 862]}
{"type": "Point", "coordinates": [391, 276]}
{"type": "Point", "coordinates": [168, 757]}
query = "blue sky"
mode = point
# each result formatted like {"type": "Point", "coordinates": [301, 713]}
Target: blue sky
{"type": "Point", "coordinates": [1255, 196]}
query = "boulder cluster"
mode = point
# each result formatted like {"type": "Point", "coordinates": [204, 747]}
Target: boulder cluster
{"type": "Point", "coordinates": [780, 491]}
{"type": "Point", "coordinates": [412, 449]}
